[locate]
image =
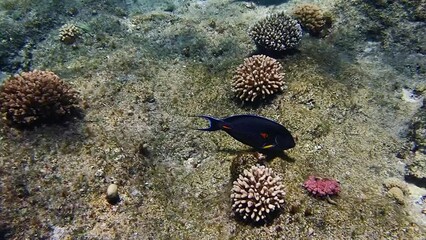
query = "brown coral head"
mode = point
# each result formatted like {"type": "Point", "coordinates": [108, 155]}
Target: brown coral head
{"type": "Point", "coordinates": [311, 18]}
{"type": "Point", "coordinates": [257, 193]}
{"type": "Point", "coordinates": [258, 77]}
{"type": "Point", "coordinates": [37, 97]}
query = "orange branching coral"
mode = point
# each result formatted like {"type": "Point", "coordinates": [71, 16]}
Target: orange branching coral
{"type": "Point", "coordinates": [311, 18]}
{"type": "Point", "coordinates": [258, 76]}
{"type": "Point", "coordinates": [36, 97]}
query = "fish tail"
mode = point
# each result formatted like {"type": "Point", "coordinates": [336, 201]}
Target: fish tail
{"type": "Point", "coordinates": [215, 124]}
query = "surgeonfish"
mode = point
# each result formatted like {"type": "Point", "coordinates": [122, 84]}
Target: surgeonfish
{"type": "Point", "coordinates": [258, 132]}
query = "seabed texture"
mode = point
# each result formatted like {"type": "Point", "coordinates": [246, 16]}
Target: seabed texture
{"type": "Point", "coordinates": [143, 69]}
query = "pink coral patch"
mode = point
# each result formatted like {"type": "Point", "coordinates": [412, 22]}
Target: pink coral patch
{"type": "Point", "coordinates": [322, 187]}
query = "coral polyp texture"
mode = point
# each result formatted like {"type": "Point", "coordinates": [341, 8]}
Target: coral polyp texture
{"type": "Point", "coordinates": [311, 18]}
{"type": "Point", "coordinates": [322, 187]}
{"type": "Point", "coordinates": [36, 97]}
{"type": "Point", "coordinates": [69, 33]}
{"type": "Point", "coordinates": [278, 32]}
{"type": "Point", "coordinates": [257, 193]}
{"type": "Point", "coordinates": [259, 76]}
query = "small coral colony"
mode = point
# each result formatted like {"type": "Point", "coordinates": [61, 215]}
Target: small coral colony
{"type": "Point", "coordinates": [41, 97]}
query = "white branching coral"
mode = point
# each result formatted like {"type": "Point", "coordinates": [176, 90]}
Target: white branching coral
{"type": "Point", "coordinates": [258, 76]}
{"type": "Point", "coordinates": [257, 193]}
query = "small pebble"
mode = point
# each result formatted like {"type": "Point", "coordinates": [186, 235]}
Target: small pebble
{"type": "Point", "coordinates": [112, 194]}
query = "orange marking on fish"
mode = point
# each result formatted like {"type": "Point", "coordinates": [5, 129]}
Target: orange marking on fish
{"type": "Point", "coordinates": [264, 135]}
{"type": "Point", "coordinates": [226, 127]}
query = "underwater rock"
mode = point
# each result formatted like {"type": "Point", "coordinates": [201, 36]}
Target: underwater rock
{"type": "Point", "coordinates": [417, 132]}
{"type": "Point", "coordinates": [416, 170]}
{"type": "Point", "coordinates": [112, 194]}
{"type": "Point", "coordinates": [395, 182]}
{"type": "Point", "coordinates": [416, 166]}
{"type": "Point", "coordinates": [396, 189]}
{"type": "Point", "coordinates": [397, 194]}
{"type": "Point", "coordinates": [241, 162]}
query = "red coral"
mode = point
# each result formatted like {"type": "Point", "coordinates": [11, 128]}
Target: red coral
{"type": "Point", "coordinates": [322, 187]}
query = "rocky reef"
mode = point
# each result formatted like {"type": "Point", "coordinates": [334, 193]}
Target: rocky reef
{"type": "Point", "coordinates": [134, 168]}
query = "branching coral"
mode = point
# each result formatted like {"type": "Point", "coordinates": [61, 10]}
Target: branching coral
{"type": "Point", "coordinates": [257, 193]}
{"type": "Point", "coordinates": [277, 32]}
{"type": "Point", "coordinates": [258, 76]}
{"type": "Point", "coordinates": [36, 97]}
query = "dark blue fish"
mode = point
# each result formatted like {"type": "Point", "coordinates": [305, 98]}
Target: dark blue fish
{"type": "Point", "coordinates": [258, 132]}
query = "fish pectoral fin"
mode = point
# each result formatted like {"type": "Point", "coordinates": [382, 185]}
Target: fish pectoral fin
{"type": "Point", "coordinates": [268, 146]}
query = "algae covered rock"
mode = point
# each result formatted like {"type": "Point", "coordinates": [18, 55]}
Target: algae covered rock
{"type": "Point", "coordinates": [416, 170]}
{"type": "Point", "coordinates": [416, 167]}
{"type": "Point", "coordinates": [396, 189]}
{"type": "Point", "coordinates": [418, 130]}
{"type": "Point", "coordinates": [397, 194]}
{"type": "Point", "coordinates": [241, 162]}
